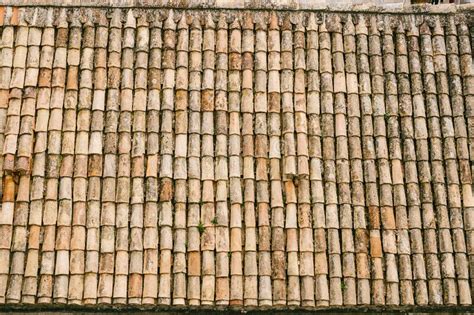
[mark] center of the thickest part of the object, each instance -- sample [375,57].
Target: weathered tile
[260,159]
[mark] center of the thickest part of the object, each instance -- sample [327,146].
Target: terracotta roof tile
[254,159]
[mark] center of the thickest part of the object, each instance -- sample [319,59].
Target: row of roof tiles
[228,163]
[246,19]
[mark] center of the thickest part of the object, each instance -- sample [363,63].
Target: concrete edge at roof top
[396,6]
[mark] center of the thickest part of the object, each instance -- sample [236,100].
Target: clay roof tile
[340,139]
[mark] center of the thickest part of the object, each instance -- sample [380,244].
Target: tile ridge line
[293,5]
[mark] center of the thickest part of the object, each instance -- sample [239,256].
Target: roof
[242,158]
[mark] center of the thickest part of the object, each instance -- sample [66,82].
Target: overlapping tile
[235,158]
